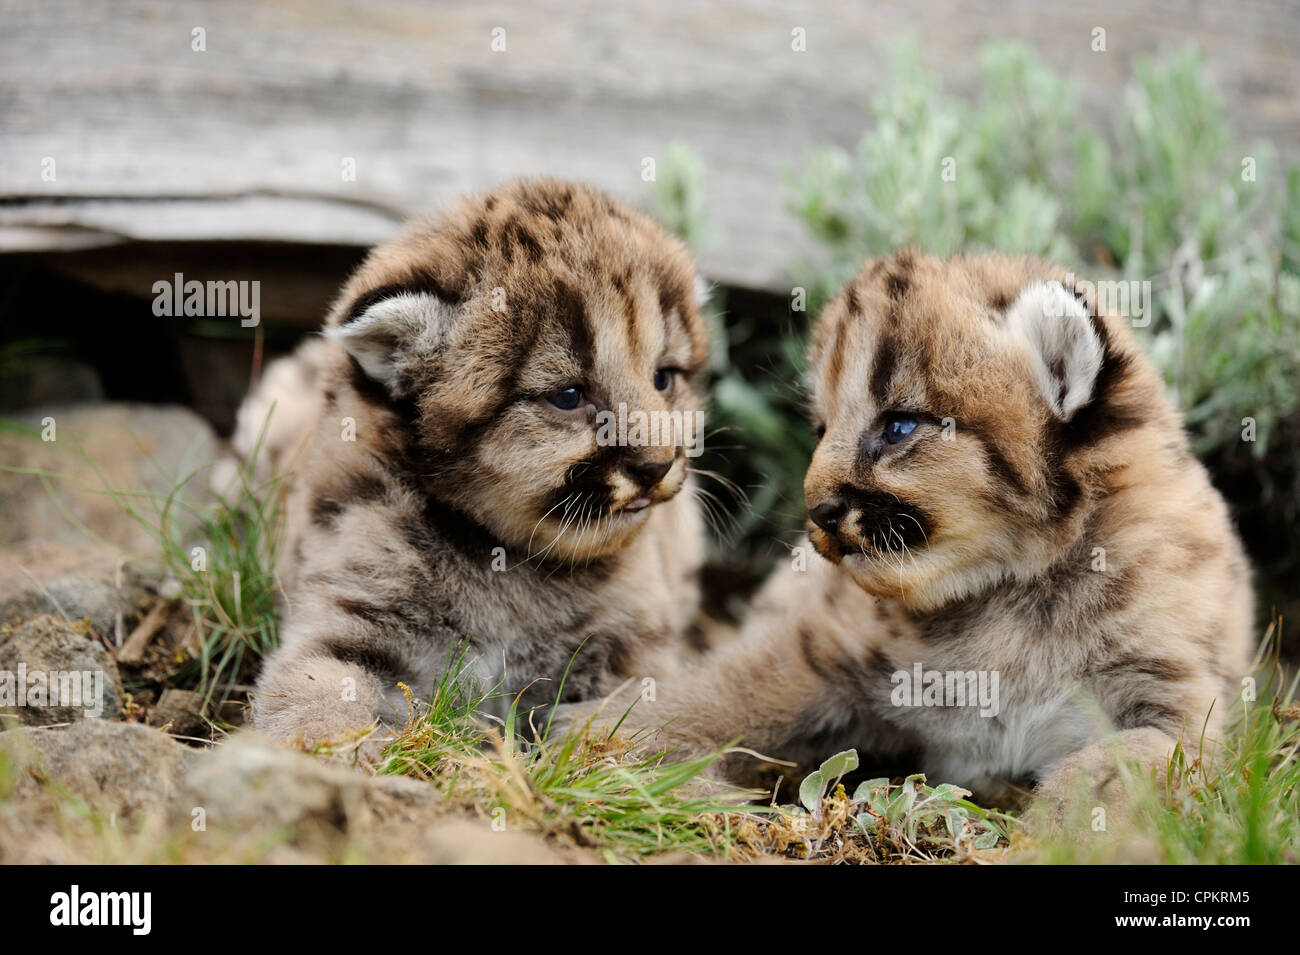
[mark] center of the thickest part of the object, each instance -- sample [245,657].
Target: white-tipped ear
[702,291]
[407,322]
[1064,346]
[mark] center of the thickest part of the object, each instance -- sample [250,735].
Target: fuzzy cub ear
[1064,346]
[387,332]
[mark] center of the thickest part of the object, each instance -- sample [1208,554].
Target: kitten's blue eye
[899,427]
[566,400]
[663,379]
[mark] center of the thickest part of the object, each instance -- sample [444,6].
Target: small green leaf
[948,792]
[810,790]
[866,790]
[839,764]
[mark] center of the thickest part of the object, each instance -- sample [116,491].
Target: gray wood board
[153,141]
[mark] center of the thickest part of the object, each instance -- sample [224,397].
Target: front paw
[364,748]
[1095,789]
[323,706]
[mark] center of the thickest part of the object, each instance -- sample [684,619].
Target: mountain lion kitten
[1021,565]
[452,485]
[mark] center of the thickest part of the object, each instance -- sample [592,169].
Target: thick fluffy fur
[439,496]
[1044,520]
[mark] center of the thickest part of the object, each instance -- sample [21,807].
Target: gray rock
[78,675]
[105,605]
[123,768]
[319,810]
[24,566]
[248,782]
[466,842]
[242,801]
[131,448]
[180,712]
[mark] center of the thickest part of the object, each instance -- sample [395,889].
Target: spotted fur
[468,507]
[1044,520]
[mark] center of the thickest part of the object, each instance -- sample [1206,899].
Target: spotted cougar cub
[1018,563]
[454,485]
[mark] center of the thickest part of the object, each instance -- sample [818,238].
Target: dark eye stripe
[882,372]
[573,314]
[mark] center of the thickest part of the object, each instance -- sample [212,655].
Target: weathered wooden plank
[248,138]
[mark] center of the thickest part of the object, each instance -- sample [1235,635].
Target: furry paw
[1091,789]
